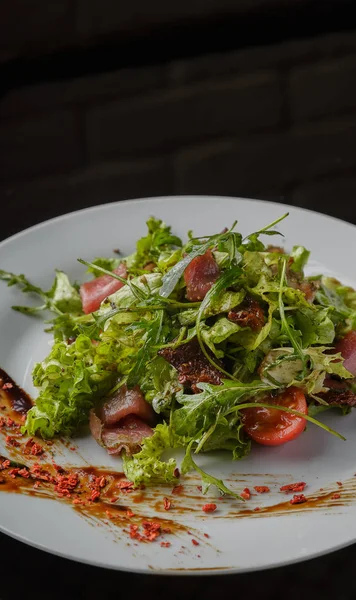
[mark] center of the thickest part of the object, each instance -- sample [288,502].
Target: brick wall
[273,122]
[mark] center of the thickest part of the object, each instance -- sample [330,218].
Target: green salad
[210,343]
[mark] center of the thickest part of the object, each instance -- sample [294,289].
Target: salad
[209,344]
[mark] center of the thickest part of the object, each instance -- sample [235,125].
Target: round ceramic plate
[265,532]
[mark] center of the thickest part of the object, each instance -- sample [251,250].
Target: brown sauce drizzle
[121,508]
[19,401]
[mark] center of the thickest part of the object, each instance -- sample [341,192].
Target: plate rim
[168,198]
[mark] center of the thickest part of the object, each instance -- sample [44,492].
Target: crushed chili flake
[199,488]
[2,422]
[257,509]
[129,513]
[13,472]
[335,496]
[339,483]
[176,473]
[24,473]
[125,485]
[37,485]
[7,386]
[245,494]
[166,504]
[178,489]
[298,499]
[210,507]
[65,484]
[165,544]
[58,468]
[31,447]
[195,543]
[113,500]
[206,535]
[5,464]
[94,495]
[102,482]
[293,487]
[12,441]
[261,489]
[73,448]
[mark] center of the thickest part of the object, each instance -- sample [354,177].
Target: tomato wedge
[272,427]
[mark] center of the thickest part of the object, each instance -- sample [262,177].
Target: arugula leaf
[189,464]
[154,335]
[252,241]
[148,248]
[316,326]
[160,384]
[284,322]
[62,297]
[147,467]
[109,264]
[300,256]
[199,411]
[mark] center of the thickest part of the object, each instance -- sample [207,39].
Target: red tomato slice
[272,427]
[347,347]
[94,292]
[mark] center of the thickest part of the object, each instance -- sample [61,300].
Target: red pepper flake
[152,530]
[134,534]
[125,485]
[10,422]
[166,504]
[256,509]
[293,487]
[210,507]
[31,447]
[130,514]
[178,489]
[199,488]
[195,543]
[113,500]
[176,472]
[24,473]
[37,485]
[165,544]
[11,441]
[13,472]
[206,535]
[339,483]
[335,496]
[298,499]
[5,464]
[102,482]
[261,489]
[58,468]
[73,448]
[94,495]
[2,422]
[65,484]
[7,386]
[245,494]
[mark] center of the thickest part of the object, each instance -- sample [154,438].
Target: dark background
[103,100]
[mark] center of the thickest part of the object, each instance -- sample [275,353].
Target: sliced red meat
[94,292]
[128,435]
[191,364]
[122,424]
[248,314]
[347,347]
[126,402]
[200,275]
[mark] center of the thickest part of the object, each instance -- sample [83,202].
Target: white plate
[236,543]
